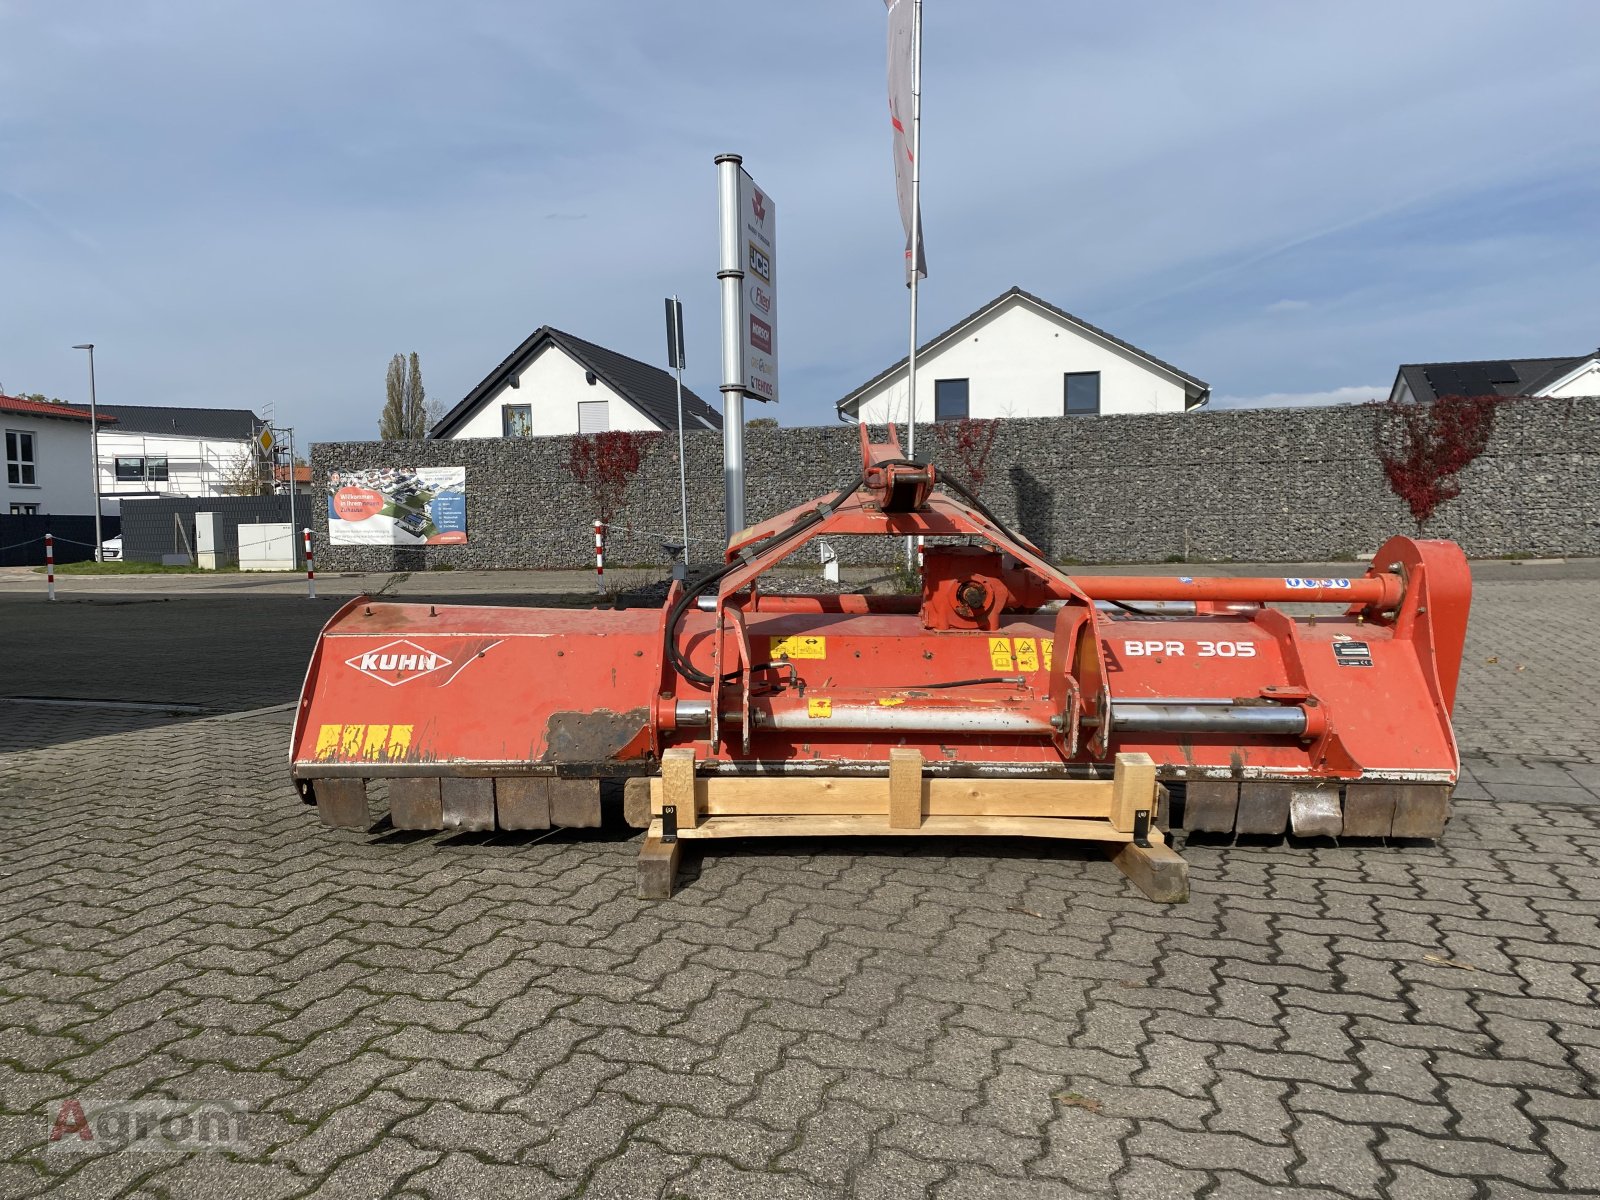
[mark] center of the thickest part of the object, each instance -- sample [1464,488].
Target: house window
[950,400]
[516,420]
[20,467]
[137,470]
[1083,394]
[24,510]
[594,416]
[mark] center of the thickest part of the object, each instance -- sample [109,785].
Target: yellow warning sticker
[369,742]
[399,740]
[372,745]
[1000,654]
[1027,654]
[354,735]
[1048,646]
[819,708]
[328,740]
[890,701]
[798,646]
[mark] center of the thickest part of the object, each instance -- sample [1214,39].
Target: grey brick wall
[1256,485]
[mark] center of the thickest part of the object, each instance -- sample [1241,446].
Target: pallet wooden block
[908,804]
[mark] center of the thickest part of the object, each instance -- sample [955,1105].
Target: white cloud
[1280,306]
[1342,395]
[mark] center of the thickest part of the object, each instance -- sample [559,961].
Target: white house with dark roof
[162,451]
[1020,356]
[554,383]
[47,449]
[1557,377]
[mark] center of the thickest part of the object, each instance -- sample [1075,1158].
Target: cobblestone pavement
[432,1016]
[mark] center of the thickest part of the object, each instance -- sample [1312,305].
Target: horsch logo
[398,662]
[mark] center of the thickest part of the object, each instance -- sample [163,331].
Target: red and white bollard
[600,556]
[311,575]
[50,564]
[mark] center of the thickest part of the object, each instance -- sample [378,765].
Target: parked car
[111,549]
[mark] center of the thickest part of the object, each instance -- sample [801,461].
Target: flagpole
[913,257]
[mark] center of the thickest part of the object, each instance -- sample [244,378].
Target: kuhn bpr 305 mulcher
[1008,698]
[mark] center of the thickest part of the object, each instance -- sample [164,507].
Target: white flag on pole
[902,74]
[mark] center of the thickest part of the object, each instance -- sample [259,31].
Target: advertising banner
[398,506]
[758,318]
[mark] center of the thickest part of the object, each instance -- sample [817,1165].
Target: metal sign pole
[293,523]
[94,451]
[731,276]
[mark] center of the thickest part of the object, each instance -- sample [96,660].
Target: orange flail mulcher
[1009,698]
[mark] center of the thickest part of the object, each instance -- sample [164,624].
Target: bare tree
[248,475]
[406,413]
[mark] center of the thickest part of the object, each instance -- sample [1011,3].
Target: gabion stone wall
[1244,485]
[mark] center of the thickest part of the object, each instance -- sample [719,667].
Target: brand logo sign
[758,204]
[760,297]
[759,262]
[760,335]
[398,662]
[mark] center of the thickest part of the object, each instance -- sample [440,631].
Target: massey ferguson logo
[758,204]
[398,662]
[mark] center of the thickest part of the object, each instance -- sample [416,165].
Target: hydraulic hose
[675,656]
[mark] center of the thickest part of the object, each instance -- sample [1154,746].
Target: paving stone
[1152,1179]
[1212,1151]
[829,1146]
[1083,1148]
[1458,1156]
[1338,1156]
[714,1179]
[974,1183]
[493,1137]
[1251,1106]
[642,1169]
[460,1174]
[960,1143]
[895,1175]
[213,1175]
[746,1144]
[1414,1183]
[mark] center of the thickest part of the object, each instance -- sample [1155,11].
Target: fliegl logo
[398,662]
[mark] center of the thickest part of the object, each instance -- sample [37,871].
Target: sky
[256,204]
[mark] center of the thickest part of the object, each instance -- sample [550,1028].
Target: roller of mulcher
[1008,698]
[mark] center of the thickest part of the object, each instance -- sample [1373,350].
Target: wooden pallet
[686,806]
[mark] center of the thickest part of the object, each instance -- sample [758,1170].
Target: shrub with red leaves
[605,462]
[969,442]
[1425,447]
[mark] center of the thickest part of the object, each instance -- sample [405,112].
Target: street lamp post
[94,450]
